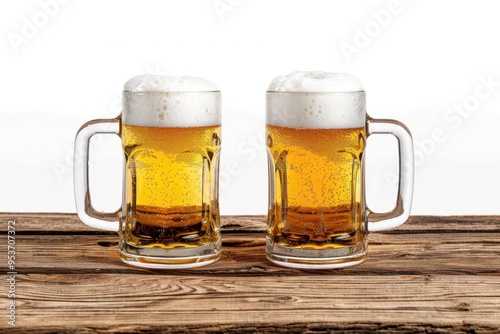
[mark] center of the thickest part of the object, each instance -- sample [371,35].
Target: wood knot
[464,307]
[284,298]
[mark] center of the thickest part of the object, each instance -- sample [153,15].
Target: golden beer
[317,187]
[170,199]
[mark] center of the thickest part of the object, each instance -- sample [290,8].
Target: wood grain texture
[459,253]
[433,275]
[176,300]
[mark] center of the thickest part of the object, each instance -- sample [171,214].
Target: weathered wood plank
[389,254]
[70,223]
[434,274]
[235,303]
[287,328]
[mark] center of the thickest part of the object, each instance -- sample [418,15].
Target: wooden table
[434,274]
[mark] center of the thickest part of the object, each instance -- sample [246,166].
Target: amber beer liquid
[170,175]
[317,187]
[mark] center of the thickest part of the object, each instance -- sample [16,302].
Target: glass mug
[170,133]
[317,129]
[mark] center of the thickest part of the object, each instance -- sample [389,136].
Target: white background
[63,64]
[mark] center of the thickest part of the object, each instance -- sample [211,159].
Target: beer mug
[170,133]
[317,129]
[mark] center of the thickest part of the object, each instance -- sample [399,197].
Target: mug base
[169,263]
[315,263]
[317,259]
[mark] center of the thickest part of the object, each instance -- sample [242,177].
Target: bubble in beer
[166,101]
[316,100]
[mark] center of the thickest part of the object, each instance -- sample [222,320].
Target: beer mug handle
[103,220]
[399,215]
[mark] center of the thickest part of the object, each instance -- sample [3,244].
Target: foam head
[165,101]
[316,100]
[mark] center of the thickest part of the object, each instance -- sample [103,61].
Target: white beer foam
[316,100]
[165,101]
[165,83]
[316,82]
